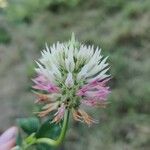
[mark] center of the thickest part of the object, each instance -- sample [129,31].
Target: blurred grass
[120,28]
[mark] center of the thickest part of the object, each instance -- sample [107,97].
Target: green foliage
[136,8]
[45,129]
[24,10]
[113,6]
[30,70]
[49,130]
[29,125]
[19,139]
[71,3]
[4,36]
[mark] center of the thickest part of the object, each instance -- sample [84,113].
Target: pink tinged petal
[93,103]
[60,111]
[48,108]
[95,85]
[94,93]
[53,88]
[82,116]
[99,95]
[81,92]
[59,114]
[88,102]
[40,78]
[101,92]
[42,83]
[98,83]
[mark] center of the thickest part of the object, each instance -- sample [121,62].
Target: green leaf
[43,147]
[19,139]
[49,130]
[29,125]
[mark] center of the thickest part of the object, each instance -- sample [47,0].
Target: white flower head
[72,71]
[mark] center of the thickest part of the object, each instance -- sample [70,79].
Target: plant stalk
[61,137]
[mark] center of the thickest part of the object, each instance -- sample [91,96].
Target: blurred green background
[120,27]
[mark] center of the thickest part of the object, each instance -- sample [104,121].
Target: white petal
[97,68]
[69,80]
[100,76]
[56,71]
[47,48]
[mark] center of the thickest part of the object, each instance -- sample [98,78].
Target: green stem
[61,137]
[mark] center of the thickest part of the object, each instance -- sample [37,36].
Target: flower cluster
[70,75]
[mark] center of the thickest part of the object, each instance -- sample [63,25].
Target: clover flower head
[70,75]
